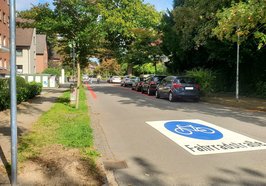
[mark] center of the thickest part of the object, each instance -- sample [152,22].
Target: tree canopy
[244,19]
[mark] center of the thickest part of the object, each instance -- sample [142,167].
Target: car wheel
[157,94]
[171,97]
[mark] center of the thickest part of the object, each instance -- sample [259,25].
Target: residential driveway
[27,114]
[140,154]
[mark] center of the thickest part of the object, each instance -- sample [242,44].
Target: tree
[187,34]
[126,23]
[78,25]
[242,19]
[108,67]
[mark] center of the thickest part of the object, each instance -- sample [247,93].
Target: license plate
[189,88]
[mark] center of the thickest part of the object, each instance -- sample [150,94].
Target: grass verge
[62,124]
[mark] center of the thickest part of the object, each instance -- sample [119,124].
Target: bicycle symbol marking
[193,130]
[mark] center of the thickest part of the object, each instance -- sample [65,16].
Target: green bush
[205,78]
[261,88]
[4,94]
[34,89]
[52,71]
[25,91]
[22,89]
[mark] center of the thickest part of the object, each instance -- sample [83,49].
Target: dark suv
[177,87]
[150,84]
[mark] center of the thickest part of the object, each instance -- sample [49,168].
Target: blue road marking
[193,130]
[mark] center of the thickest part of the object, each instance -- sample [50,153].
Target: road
[139,154]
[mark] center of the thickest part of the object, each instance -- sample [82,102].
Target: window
[4,41]
[4,17]
[0,15]
[1,63]
[20,69]
[5,64]
[19,52]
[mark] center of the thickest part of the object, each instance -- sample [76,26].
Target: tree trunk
[129,69]
[78,84]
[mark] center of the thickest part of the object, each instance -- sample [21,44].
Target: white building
[26,50]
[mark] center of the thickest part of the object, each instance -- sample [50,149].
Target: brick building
[4,37]
[41,53]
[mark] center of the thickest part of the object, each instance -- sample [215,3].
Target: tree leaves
[244,19]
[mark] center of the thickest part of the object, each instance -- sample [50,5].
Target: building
[4,37]
[41,54]
[26,50]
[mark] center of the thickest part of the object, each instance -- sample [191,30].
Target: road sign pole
[13,95]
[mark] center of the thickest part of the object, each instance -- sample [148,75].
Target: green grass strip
[62,124]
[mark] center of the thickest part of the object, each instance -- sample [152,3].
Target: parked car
[123,79]
[139,84]
[127,81]
[135,82]
[115,79]
[178,87]
[150,84]
[85,78]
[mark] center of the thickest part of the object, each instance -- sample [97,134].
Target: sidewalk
[27,114]
[250,104]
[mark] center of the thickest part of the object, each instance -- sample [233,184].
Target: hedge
[205,78]
[25,91]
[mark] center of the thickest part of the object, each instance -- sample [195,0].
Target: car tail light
[197,86]
[176,85]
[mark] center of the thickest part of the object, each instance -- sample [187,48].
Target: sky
[160,5]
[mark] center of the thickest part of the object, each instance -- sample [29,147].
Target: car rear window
[158,78]
[186,80]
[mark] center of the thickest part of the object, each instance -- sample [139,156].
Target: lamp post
[13,95]
[237,67]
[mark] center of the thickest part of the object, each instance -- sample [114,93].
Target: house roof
[24,36]
[40,44]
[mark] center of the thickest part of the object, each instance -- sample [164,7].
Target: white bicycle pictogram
[189,129]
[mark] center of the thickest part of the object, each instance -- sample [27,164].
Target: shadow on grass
[64,101]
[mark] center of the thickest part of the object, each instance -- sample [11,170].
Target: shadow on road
[142,100]
[148,171]
[241,176]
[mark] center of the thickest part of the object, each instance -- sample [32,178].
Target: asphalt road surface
[139,154]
